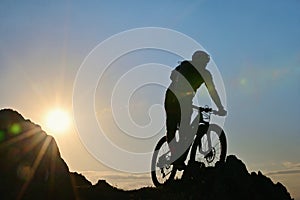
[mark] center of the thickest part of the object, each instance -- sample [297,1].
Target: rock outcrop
[30,166]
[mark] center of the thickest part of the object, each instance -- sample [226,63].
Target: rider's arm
[212,89]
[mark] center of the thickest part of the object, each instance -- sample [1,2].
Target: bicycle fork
[208,149]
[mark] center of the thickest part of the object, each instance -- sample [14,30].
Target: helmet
[199,54]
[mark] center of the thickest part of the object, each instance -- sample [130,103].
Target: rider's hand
[221,112]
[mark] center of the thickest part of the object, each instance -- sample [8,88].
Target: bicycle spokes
[164,160]
[162,168]
[210,156]
[209,149]
[165,171]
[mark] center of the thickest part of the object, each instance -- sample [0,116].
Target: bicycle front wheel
[210,147]
[161,168]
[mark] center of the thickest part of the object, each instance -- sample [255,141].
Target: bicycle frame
[200,123]
[199,127]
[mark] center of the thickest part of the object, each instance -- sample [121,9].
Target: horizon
[254,45]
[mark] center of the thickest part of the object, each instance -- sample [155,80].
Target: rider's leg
[186,135]
[172,108]
[171,126]
[178,111]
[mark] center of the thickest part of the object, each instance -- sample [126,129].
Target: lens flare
[58,121]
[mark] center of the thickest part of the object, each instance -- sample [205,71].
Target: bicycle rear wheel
[211,147]
[161,168]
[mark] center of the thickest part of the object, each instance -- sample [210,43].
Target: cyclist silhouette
[186,79]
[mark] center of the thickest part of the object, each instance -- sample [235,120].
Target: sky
[255,45]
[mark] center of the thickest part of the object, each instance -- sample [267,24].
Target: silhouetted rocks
[79,180]
[231,180]
[31,168]
[30,164]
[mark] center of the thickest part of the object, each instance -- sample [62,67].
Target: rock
[79,181]
[231,180]
[30,165]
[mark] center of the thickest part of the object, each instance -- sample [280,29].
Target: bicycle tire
[156,175]
[214,154]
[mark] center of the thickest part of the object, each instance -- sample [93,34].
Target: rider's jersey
[186,79]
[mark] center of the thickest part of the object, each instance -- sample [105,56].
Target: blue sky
[255,45]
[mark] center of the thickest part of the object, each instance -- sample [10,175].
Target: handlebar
[209,110]
[203,109]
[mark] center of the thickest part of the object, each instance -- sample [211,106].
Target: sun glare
[58,121]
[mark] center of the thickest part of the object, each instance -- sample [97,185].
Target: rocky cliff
[30,166]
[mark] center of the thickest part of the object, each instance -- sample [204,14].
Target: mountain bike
[208,147]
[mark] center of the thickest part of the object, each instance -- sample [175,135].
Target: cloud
[290,168]
[291,165]
[284,172]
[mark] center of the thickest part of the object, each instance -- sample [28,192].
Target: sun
[58,121]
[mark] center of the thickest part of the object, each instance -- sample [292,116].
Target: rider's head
[201,57]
